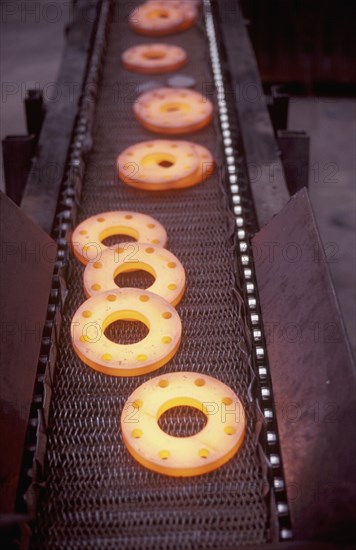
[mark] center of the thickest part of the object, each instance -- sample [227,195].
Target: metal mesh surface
[96,495]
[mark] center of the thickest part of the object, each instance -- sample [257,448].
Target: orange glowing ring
[206,164]
[157,164]
[156,19]
[190,17]
[198,454]
[187,7]
[98,352]
[154,58]
[205,167]
[167,270]
[173,111]
[87,238]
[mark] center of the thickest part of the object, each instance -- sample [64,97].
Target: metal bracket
[294,148]
[278,105]
[17,154]
[35,112]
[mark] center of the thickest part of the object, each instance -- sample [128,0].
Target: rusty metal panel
[27,257]
[312,371]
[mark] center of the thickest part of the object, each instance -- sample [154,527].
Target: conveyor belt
[96,495]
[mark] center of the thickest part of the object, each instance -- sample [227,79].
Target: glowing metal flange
[87,238]
[188,8]
[189,456]
[164,164]
[167,270]
[157,162]
[156,19]
[154,58]
[173,110]
[130,304]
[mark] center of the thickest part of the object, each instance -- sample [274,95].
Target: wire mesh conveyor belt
[96,495]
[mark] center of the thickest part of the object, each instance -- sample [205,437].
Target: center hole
[164,159]
[126,332]
[154,55]
[135,279]
[153,14]
[118,239]
[182,421]
[179,107]
[165,163]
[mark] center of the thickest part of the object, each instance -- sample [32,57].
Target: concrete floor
[31,45]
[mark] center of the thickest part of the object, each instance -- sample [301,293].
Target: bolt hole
[167,315]
[229,430]
[165,163]
[227,400]
[96,287]
[204,453]
[164,455]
